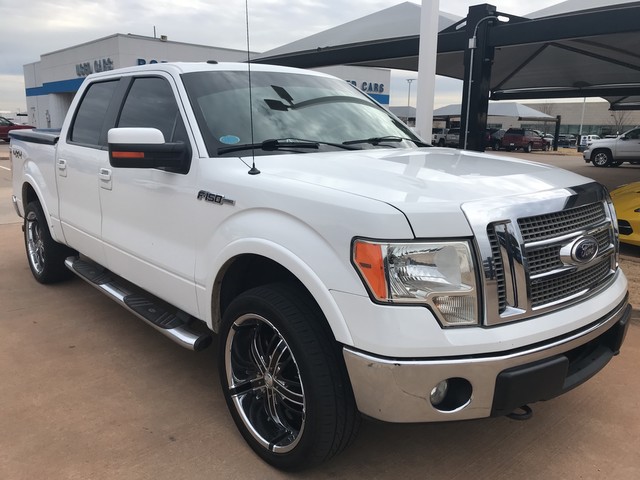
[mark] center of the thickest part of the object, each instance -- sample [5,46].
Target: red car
[527,140]
[6,125]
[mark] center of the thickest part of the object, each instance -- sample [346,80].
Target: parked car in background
[612,152]
[496,139]
[438,136]
[626,200]
[6,125]
[566,140]
[527,140]
[452,138]
[586,140]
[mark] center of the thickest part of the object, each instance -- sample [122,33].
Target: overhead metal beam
[598,91]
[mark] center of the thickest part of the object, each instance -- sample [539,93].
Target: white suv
[612,152]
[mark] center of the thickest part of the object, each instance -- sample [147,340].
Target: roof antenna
[253,170]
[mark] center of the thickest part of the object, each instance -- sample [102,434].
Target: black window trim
[109,119]
[119,106]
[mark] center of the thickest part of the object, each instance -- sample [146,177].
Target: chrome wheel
[264,383]
[35,243]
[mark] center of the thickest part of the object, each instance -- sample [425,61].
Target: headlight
[440,274]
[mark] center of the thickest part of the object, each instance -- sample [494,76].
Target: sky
[34,27]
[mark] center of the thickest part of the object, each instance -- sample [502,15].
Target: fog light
[439,392]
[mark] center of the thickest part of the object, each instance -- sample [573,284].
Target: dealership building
[52,82]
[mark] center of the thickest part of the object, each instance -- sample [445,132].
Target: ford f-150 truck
[344,267]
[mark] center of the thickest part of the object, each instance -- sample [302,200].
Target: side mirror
[146,148]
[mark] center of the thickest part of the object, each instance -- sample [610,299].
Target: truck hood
[428,185]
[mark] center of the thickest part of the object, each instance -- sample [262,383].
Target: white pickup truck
[342,267]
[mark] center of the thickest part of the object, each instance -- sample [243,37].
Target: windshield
[289,107]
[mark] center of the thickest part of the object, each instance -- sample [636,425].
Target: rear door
[81,158]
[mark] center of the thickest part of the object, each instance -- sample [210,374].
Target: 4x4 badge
[214,198]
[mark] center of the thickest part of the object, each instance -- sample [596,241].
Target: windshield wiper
[270,145]
[389,138]
[282,143]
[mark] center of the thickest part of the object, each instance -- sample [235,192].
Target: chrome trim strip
[14,200]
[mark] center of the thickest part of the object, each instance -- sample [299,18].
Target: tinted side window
[634,134]
[87,126]
[151,103]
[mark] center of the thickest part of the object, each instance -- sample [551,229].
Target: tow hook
[521,413]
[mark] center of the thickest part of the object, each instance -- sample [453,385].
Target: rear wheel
[496,145]
[46,256]
[601,158]
[284,378]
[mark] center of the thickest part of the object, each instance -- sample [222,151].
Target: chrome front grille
[541,227]
[547,258]
[556,289]
[531,263]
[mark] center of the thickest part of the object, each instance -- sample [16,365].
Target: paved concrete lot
[87,391]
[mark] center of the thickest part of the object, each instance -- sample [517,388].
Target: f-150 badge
[214,198]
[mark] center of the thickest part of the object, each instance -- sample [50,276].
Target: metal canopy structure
[501,109]
[383,39]
[579,48]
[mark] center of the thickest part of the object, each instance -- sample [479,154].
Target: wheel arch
[31,192]
[244,271]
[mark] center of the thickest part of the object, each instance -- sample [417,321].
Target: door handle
[105,174]
[62,167]
[105,178]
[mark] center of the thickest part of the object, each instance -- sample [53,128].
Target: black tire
[441,142]
[45,256]
[274,337]
[496,146]
[546,147]
[528,148]
[601,158]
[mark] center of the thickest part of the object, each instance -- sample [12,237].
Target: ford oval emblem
[584,249]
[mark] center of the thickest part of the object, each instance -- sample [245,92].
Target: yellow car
[626,200]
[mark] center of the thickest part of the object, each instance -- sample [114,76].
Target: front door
[147,226]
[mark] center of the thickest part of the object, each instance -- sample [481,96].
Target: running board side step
[174,325]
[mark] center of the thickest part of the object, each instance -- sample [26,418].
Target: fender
[286,258]
[320,264]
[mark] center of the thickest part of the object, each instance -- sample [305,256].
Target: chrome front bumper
[398,390]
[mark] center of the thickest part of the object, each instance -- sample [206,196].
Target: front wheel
[46,256]
[284,378]
[601,158]
[528,148]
